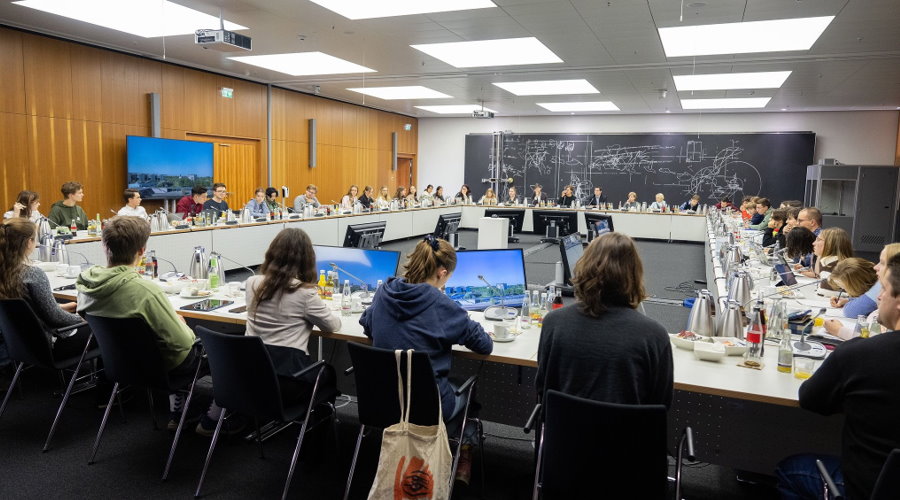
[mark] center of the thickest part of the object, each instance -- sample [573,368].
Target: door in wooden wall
[405,173]
[236,164]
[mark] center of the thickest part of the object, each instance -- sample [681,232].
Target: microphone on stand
[365,286]
[252,272]
[83,256]
[174,274]
[804,348]
[501,312]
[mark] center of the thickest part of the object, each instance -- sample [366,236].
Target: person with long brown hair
[601,348]
[26,205]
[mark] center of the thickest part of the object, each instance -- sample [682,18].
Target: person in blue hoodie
[414,313]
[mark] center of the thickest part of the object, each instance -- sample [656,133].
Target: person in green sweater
[764,208]
[65,211]
[117,291]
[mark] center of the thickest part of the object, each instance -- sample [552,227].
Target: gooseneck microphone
[252,272]
[501,312]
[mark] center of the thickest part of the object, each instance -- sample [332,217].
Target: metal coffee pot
[199,261]
[246,216]
[741,288]
[732,324]
[702,318]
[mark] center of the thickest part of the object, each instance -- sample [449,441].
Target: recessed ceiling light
[455,109]
[549,87]
[303,63]
[728,103]
[503,52]
[145,18]
[367,9]
[409,92]
[579,106]
[742,38]
[726,81]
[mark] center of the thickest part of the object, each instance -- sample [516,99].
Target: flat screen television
[368,235]
[571,250]
[357,265]
[446,225]
[167,168]
[565,220]
[498,267]
[600,223]
[516,217]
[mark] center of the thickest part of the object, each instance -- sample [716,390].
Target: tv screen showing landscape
[167,168]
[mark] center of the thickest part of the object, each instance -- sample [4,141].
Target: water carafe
[197,268]
[732,324]
[702,317]
[741,288]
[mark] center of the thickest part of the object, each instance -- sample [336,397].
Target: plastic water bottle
[346,299]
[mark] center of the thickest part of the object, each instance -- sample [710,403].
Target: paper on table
[817,304]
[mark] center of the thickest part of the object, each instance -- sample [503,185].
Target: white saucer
[504,340]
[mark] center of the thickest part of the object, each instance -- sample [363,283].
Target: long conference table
[742,418]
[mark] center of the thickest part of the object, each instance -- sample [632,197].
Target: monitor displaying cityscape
[500,268]
[357,265]
[167,168]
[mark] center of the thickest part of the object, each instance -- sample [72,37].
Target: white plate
[685,344]
[738,349]
[709,351]
[198,296]
[504,340]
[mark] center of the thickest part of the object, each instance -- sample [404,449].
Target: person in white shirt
[133,206]
[350,198]
[26,205]
[659,205]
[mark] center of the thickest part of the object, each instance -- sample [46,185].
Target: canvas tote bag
[415,459]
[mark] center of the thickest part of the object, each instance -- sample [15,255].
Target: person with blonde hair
[831,246]
[489,198]
[384,198]
[349,199]
[659,205]
[601,347]
[865,302]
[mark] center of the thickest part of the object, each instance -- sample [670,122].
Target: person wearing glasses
[217,202]
[307,198]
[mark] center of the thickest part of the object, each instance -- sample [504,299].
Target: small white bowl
[738,347]
[685,344]
[709,351]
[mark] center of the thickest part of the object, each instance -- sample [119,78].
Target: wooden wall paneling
[12,100]
[172,108]
[224,110]
[350,130]
[200,106]
[48,77]
[292,165]
[126,81]
[14,162]
[249,109]
[328,125]
[87,83]
[236,166]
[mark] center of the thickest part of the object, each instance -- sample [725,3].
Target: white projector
[480,113]
[224,40]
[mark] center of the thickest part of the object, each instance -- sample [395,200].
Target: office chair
[887,486]
[28,345]
[256,392]
[586,445]
[375,372]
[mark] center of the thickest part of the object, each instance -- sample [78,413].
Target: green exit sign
[407,126]
[227,92]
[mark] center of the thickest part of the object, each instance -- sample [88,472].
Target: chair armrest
[532,419]
[349,370]
[467,385]
[829,482]
[65,329]
[688,438]
[317,364]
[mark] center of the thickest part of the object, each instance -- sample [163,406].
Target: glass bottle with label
[557,301]
[321,284]
[785,352]
[754,338]
[346,302]
[542,312]
[329,287]
[862,327]
[213,273]
[535,306]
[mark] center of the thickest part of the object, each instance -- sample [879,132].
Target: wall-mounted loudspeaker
[312,143]
[393,150]
[154,114]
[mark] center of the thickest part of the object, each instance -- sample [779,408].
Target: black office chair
[27,344]
[887,486]
[375,372]
[254,390]
[131,357]
[585,444]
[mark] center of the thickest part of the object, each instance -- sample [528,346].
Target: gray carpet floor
[132,454]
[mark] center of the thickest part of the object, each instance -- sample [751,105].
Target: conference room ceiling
[614,44]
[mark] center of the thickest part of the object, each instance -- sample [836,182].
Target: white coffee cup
[234,289]
[336,299]
[62,269]
[73,271]
[501,332]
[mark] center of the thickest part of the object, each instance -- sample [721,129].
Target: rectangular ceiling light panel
[727,103]
[573,107]
[743,38]
[455,109]
[503,52]
[368,9]
[549,87]
[144,18]
[731,81]
[303,64]
[408,92]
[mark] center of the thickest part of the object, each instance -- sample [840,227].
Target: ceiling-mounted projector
[480,113]
[224,40]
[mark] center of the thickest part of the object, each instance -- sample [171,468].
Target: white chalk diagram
[712,172]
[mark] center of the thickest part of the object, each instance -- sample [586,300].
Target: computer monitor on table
[498,267]
[358,265]
[598,224]
[447,224]
[571,250]
[368,235]
[565,222]
[516,219]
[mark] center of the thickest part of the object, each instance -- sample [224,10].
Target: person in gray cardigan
[601,348]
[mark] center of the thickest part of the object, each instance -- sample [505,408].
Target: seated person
[428,195]
[773,233]
[631,204]
[748,208]
[117,291]
[20,280]
[791,219]
[283,306]
[724,203]
[412,196]
[659,205]
[366,200]
[858,379]
[567,197]
[862,301]
[349,199]
[763,212]
[489,198]
[439,195]
[799,245]
[596,199]
[810,218]
[307,198]
[512,196]
[26,206]
[413,312]
[257,205]
[830,247]
[539,197]
[192,204]
[384,198]
[133,206]
[464,195]
[217,203]
[601,347]
[691,205]
[400,196]
[271,201]
[67,211]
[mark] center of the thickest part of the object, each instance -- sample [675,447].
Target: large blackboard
[713,165]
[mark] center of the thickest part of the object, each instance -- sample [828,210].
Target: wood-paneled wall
[66,108]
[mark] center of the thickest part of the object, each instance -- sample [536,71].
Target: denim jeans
[799,478]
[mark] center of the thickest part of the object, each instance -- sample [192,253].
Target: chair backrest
[244,378]
[375,371]
[130,351]
[588,444]
[25,338]
[887,487]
